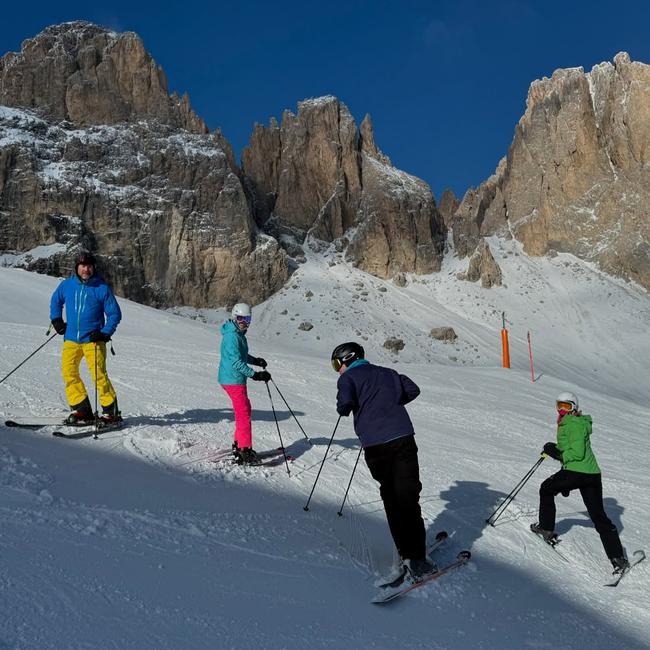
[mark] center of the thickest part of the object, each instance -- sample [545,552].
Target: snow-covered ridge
[122,145]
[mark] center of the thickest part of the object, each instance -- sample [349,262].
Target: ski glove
[550,449]
[98,337]
[262,376]
[59,325]
[260,362]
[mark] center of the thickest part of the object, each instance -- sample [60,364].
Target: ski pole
[354,469]
[284,453]
[306,506]
[290,411]
[515,491]
[95,436]
[31,355]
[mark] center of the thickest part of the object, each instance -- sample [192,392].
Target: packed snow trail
[145,538]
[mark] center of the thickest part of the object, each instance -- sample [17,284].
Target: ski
[637,557]
[88,430]
[389,595]
[268,458]
[34,422]
[440,539]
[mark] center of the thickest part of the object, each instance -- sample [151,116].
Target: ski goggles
[243,319]
[336,364]
[564,406]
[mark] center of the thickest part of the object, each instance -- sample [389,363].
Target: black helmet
[345,354]
[84,258]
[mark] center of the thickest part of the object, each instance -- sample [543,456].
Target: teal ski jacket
[233,368]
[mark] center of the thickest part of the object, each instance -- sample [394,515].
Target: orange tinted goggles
[336,364]
[564,406]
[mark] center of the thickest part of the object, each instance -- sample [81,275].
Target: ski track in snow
[151,538]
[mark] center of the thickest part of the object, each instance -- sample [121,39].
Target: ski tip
[464,555]
[443,534]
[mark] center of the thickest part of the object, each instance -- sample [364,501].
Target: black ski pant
[591,491]
[395,465]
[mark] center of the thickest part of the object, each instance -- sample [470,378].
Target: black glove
[260,362]
[262,376]
[59,325]
[99,337]
[550,449]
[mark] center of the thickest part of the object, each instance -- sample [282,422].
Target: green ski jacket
[573,434]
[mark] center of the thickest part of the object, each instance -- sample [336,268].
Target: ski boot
[549,536]
[620,565]
[110,414]
[419,568]
[82,413]
[248,456]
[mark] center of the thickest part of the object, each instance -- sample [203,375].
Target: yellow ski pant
[71,359]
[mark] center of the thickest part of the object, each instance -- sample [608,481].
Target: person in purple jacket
[376,396]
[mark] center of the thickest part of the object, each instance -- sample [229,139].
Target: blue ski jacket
[89,306]
[234,356]
[376,396]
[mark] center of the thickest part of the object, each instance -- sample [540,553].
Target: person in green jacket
[580,471]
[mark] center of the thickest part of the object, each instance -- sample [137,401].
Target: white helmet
[568,397]
[241,309]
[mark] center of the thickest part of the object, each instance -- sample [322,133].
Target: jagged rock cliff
[106,159]
[89,75]
[577,175]
[317,177]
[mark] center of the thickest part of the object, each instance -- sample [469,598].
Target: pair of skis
[266,458]
[84,429]
[403,583]
[637,557]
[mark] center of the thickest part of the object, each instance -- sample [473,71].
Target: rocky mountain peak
[367,140]
[577,175]
[89,75]
[318,177]
[96,154]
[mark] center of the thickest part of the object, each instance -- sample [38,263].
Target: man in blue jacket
[376,396]
[92,315]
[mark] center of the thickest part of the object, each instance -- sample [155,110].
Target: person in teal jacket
[580,471]
[233,373]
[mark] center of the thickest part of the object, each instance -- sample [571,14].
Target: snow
[38,253]
[400,184]
[140,540]
[314,102]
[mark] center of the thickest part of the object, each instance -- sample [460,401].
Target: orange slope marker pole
[505,347]
[530,354]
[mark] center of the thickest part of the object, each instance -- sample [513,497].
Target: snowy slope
[144,539]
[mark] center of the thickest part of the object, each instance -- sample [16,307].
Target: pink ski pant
[242,406]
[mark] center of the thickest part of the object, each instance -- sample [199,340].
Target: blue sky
[445,82]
